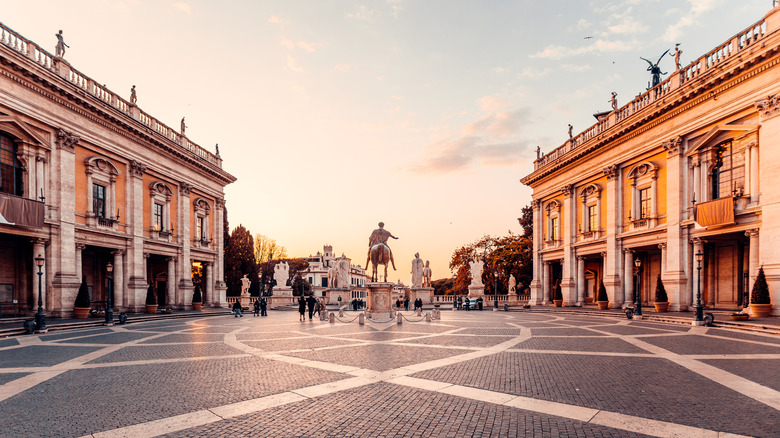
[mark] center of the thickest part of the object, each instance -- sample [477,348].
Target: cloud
[698,8]
[292,64]
[287,44]
[395,6]
[491,140]
[531,73]
[599,46]
[342,68]
[305,45]
[184,7]
[362,14]
[277,20]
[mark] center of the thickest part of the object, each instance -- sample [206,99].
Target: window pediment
[590,190]
[15,127]
[645,169]
[160,188]
[719,134]
[101,164]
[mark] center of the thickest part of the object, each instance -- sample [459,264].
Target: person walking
[310,301]
[301,308]
[317,307]
[237,309]
[263,307]
[398,304]
[406,303]
[257,307]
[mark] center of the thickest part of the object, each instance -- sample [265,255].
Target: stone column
[219,280]
[62,198]
[752,259]
[212,300]
[568,286]
[185,269]
[611,274]
[673,251]
[545,282]
[628,276]
[697,189]
[536,284]
[580,280]
[79,269]
[171,283]
[754,172]
[39,249]
[748,167]
[137,283]
[662,247]
[120,300]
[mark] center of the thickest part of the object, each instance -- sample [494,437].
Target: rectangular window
[199,228]
[644,203]
[324,282]
[592,224]
[554,230]
[158,217]
[99,200]
[10,168]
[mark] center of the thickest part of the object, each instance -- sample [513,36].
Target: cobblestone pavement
[471,374]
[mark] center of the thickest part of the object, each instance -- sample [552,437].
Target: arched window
[553,221]
[11,177]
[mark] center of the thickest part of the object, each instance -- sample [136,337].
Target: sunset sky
[335,115]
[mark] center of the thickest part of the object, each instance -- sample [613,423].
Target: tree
[267,249]
[300,286]
[444,286]
[527,221]
[760,292]
[240,261]
[508,255]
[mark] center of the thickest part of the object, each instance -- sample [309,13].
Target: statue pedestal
[477,291]
[378,305]
[334,294]
[283,291]
[423,293]
[245,300]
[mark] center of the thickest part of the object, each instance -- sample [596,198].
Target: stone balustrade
[714,59]
[46,60]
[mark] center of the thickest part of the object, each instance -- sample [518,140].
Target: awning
[715,213]
[20,211]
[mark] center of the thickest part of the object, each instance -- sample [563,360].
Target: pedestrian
[418,303]
[406,303]
[263,307]
[310,301]
[237,309]
[460,303]
[317,307]
[398,303]
[257,307]
[301,308]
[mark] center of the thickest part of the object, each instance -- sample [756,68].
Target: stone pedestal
[379,295]
[334,294]
[245,300]
[477,292]
[423,293]
[283,291]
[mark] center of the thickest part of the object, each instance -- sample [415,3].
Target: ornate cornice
[611,171]
[185,188]
[137,168]
[769,107]
[673,146]
[66,140]
[567,190]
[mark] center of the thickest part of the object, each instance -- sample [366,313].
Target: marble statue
[476,272]
[133,96]
[245,283]
[216,146]
[538,152]
[59,50]
[427,274]
[655,70]
[281,273]
[333,275]
[379,253]
[613,101]
[417,270]
[183,126]
[512,284]
[677,53]
[343,272]
[571,132]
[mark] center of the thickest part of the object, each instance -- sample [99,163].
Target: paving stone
[299,344]
[580,344]
[186,338]
[462,341]
[696,344]
[110,338]
[771,339]
[378,357]
[8,342]
[9,377]
[155,352]
[567,331]
[67,334]
[630,330]
[41,355]
[761,371]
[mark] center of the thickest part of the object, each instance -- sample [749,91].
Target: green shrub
[602,292]
[151,296]
[197,297]
[82,298]
[660,291]
[760,292]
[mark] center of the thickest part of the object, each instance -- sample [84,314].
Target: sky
[337,114]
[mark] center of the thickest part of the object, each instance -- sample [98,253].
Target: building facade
[88,180]
[685,168]
[317,275]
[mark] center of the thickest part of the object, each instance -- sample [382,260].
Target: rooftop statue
[183,126]
[59,50]
[133,96]
[655,70]
[379,253]
[613,101]
[677,52]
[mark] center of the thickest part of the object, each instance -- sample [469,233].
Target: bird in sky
[588,37]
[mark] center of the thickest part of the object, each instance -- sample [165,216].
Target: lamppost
[637,294]
[40,317]
[109,302]
[495,291]
[699,314]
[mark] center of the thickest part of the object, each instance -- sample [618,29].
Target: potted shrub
[151,300]
[760,304]
[602,300]
[558,297]
[197,299]
[82,306]
[661,300]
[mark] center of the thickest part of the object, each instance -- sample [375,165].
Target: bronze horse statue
[379,254]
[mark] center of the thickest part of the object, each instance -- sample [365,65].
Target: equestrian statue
[378,251]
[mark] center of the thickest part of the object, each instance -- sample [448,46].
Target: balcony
[18,211]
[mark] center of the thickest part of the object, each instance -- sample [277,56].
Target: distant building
[87,179]
[686,167]
[317,275]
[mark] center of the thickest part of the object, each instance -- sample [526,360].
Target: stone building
[685,168]
[89,179]
[317,275]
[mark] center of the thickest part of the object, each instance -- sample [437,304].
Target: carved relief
[137,168]
[185,188]
[67,140]
[769,107]
[611,171]
[673,146]
[567,190]
[220,203]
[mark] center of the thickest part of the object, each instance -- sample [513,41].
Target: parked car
[471,304]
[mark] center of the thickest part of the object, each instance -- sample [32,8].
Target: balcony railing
[46,60]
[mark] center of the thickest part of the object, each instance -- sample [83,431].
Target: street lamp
[495,291]
[637,294]
[699,257]
[40,317]
[109,303]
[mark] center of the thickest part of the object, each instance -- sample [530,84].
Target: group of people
[260,304]
[314,305]
[418,303]
[461,304]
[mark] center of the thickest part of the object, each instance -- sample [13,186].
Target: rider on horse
[380,235]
